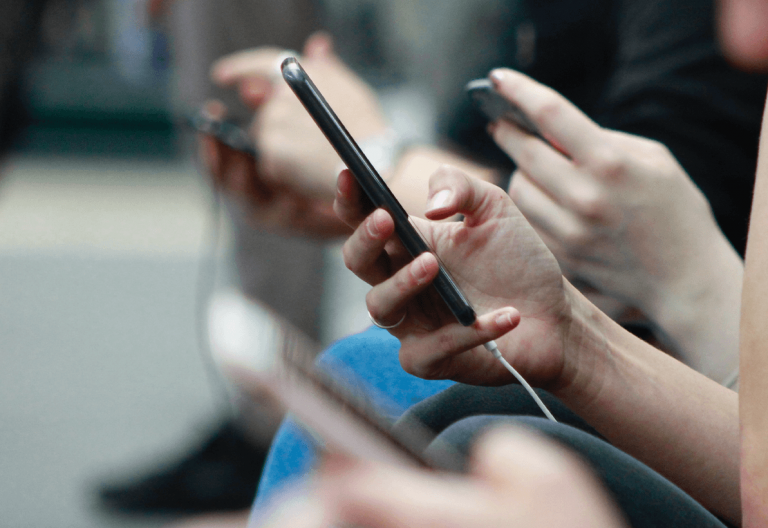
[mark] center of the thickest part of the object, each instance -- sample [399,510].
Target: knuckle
[592,206]
[547,112]
[527,156]
[574,237]
[608,164]
[350,260]
[446,172]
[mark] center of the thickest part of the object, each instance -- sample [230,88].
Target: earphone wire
[491,347]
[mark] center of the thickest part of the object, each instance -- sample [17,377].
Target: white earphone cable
[491,347]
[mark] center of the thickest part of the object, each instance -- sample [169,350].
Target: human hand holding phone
[621,214]
[513,480]
[293,151]
[267,206]
[494,255]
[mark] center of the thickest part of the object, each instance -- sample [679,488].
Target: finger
[567,127]
[551,171]
[387,301]
[319,45]
[380,496]
[260,62]
[254,91]
[512,458]
[215,109]
[452,191]
[364,252]
[545,214]
[434,355]
[350,204]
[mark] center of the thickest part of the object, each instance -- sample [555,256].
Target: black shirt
[647,67]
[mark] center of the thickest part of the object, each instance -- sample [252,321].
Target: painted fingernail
[439,200]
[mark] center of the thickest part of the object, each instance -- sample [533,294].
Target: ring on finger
[387,327]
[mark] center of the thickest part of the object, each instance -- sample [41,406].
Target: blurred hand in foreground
[515,480]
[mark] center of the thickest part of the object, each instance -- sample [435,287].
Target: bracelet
[383,151]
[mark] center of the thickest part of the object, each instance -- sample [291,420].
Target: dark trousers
[458,415]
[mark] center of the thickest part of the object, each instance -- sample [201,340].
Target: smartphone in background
[495,106]
[373,185]
[344,421]
[228,132]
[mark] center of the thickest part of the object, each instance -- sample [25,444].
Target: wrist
[384,150]
[587,350]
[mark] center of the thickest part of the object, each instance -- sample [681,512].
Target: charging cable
[491,347]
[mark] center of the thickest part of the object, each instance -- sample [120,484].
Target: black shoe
[221,475]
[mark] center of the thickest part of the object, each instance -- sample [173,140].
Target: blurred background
[109,235]
[102,235]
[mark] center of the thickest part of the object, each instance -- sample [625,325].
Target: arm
[754,359]
[660,411]
[620,214]
[294,151]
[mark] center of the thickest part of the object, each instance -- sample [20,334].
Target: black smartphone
[228,132]
[373,185]
[496,107]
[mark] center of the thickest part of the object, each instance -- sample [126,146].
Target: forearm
[754,354]
[410,179]
[650,405]
[701,316]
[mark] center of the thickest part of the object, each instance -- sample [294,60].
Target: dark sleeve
[671,83]
[647,67]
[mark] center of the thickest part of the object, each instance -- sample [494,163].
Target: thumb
[514,458]
[452,191]
[319,46]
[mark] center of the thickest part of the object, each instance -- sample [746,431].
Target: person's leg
[646,498]
[368,364]
[461,401]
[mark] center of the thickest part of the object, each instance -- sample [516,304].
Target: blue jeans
[368,364]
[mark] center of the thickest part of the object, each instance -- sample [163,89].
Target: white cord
[491,347]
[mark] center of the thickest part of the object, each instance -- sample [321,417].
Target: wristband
[383,151]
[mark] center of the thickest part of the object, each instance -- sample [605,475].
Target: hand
[618,212]
[516,479]
[292,149]
[270,207]
[496,259]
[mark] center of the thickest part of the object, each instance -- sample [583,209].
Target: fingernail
[421,271]
[504,319]
[496,76]
[373,228]
[439,200]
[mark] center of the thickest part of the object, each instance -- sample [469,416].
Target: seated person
[649,405]
[652,79]
[683,332]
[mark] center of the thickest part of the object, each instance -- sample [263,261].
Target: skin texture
[621,215]
[271,206]
[744,33]
[512,482]
[295,156]
[603,207]
[754,359]
[616,382]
